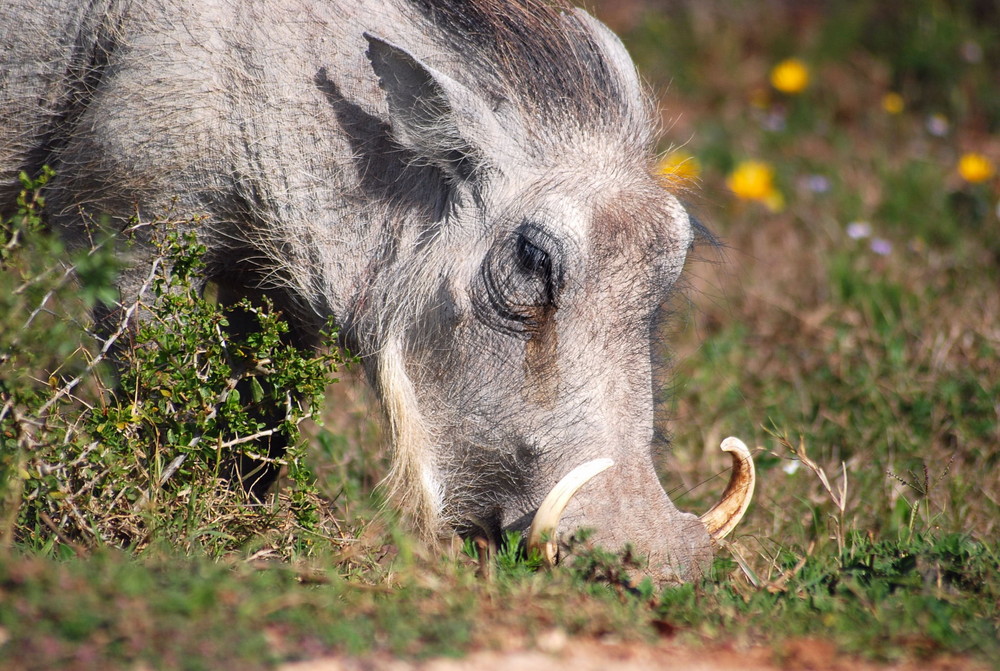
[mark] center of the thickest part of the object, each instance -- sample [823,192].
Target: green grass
[193,612]
[866,373]
[879,599]
[881,361]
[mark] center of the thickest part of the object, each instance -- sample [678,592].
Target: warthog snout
[718,522]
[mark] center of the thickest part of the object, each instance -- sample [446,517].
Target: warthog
[465,186]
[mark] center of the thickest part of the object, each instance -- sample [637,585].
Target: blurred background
[845,155]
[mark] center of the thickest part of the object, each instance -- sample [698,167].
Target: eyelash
[519,281]
[533,259]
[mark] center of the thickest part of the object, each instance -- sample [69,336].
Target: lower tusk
[542,534]
[727,513]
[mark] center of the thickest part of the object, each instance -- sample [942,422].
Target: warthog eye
[533,260]
[519,282]
[533,284]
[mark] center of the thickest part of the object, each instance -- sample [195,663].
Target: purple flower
[815,183]
[972,52]
[774,121]
[937,125]
[881,246]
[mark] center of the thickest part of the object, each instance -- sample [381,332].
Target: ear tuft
[618,58]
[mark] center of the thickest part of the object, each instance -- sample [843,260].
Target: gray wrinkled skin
[465,186]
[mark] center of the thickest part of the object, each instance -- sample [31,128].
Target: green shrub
[89,457]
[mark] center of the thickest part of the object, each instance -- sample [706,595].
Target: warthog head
[513,334]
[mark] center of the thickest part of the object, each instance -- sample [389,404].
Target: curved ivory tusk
[541,536]
[727,513]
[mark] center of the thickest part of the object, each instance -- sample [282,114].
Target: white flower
[858,230]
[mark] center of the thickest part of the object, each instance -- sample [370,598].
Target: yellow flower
[678,168]
[975,167]
[893,103]
[754,180]
[790,76]
[751,180]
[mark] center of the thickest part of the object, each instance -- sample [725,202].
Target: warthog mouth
[719,521]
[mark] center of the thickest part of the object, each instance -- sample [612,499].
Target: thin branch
[108,344]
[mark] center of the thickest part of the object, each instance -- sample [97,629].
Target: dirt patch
[576,655]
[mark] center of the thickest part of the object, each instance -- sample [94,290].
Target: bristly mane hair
[539,55]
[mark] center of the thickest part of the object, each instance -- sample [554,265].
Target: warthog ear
[622,67]
[431,114]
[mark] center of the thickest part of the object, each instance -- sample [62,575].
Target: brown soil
[556,653]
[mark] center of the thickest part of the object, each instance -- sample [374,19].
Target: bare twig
[838,495]
[108,344]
